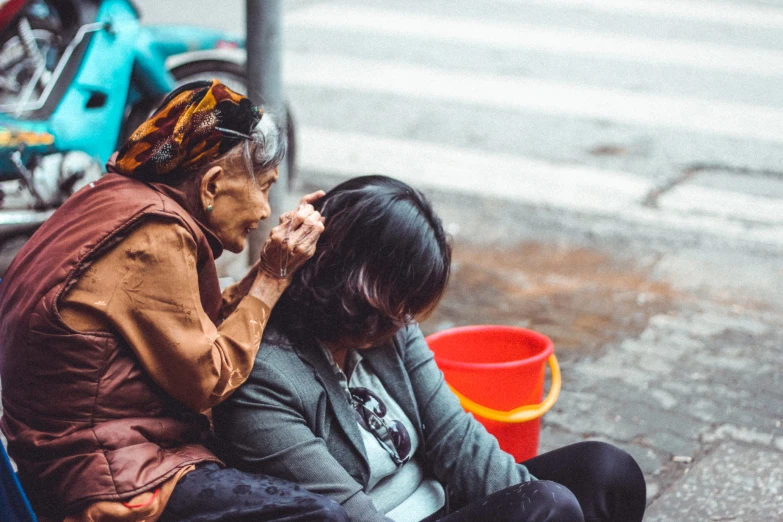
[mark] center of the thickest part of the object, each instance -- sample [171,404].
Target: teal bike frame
[120,62]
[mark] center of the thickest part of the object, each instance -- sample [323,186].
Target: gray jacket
[291,419]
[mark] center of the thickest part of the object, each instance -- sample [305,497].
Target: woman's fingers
[312,197]
[291,222]
[309,241]
[302,241]
[292,242]
[304,209]
[310,231]
[302,213]
[298,216]
[312,226]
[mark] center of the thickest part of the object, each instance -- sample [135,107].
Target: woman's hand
[293,241]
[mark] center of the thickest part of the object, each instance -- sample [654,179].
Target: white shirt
[402,493]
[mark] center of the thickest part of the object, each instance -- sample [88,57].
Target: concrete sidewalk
[671,352]
[670,344]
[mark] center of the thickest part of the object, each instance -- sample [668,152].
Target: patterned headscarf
[195,124]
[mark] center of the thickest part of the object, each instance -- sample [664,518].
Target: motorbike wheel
[235,77]
[17,70]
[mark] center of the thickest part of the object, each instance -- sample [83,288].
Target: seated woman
[346,400]
[115,336]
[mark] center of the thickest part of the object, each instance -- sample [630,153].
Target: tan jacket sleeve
[146,289]
[234,294]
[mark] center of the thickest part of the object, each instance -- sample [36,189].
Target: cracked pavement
[670,347]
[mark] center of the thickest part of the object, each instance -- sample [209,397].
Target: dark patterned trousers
[214,494]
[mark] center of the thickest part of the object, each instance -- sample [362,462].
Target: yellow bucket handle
[523,413]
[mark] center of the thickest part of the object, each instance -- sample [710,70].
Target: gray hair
[269,145]
[264,151]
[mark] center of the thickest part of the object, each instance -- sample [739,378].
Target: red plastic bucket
[498,373]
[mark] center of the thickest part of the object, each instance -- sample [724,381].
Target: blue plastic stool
[14,506]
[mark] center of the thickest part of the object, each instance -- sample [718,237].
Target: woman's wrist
[268,288]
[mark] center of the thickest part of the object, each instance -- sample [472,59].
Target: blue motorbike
[76,77]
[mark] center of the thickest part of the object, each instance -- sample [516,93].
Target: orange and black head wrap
[195,124]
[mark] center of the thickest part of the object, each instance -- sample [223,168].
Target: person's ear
[210,187]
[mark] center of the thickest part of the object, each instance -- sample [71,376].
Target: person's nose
[265,211]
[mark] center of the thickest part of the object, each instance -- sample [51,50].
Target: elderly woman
[114,336]
[346,400]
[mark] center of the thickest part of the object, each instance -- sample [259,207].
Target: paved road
[611,173]
[662,114]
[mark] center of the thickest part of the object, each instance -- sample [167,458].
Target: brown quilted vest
[83,420]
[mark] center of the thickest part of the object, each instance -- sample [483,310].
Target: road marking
[581,188]
[528,95]
[597,192]
[701,11]
[711,56]
[694,199]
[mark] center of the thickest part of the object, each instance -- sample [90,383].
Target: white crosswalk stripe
[533,95]
[751,15]
[583,189]
[510,36]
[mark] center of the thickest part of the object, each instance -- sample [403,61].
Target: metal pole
[265,87]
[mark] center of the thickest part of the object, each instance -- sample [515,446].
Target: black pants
[587,481]
[211,494]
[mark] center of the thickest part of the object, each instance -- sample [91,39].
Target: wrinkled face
[239,204]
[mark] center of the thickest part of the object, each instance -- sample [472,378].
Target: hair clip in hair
[233,133]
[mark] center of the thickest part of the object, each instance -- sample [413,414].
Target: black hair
[382,260]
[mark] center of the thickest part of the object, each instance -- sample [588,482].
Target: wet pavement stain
[582,299]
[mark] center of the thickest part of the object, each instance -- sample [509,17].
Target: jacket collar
[385,360]
[312,354]
[387,363]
